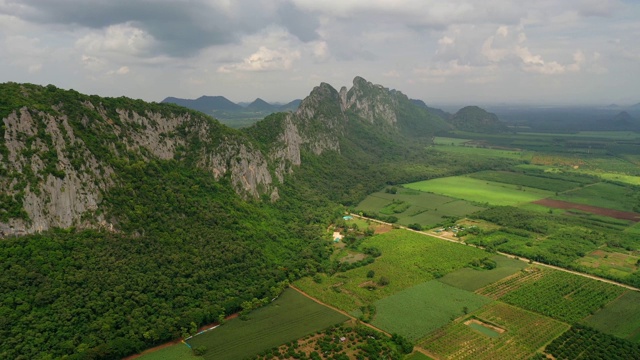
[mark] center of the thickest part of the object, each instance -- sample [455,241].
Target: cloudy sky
[443,52]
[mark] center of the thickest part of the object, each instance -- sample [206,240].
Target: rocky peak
[374,103]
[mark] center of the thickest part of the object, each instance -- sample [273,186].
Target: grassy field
[412,206]
[628,179]
[418,310]
[471,280]
[407,259]
[418,356]
[523,334]
[604,195]
[481,191]
[620,317]
[174,352]
[288,318]
[557,294]
[614,263]
[635,229]
[439,140]
[479,151]
[538,182]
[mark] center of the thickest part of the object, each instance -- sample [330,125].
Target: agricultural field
[417,355]
[554,293]
[620,317]
[583,343]
[635,229]
[611,262]
[471,279]
[439,140]
[496,331]
[288,318]
[482,151]
[611,164]
[347,341]
[617,177]
[174,352]
[538,181]
[412,206]
[480,191]
[418,310]
[603,195]
[408,259]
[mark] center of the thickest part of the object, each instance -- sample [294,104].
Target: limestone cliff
[56,163]
[61,151]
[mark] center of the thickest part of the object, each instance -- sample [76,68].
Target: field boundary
[338,310]
[594,277]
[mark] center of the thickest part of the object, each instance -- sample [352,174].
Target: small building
[347,217]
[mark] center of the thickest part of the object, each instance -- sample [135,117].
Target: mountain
[476,119]
[261,105]
[291,106]
[443,114]
[623,121]
[125,224]
[205,104]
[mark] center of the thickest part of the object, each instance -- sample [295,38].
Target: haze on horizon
[461,51]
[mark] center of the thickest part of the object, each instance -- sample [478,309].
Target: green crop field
[523,333]
[418,356]
[561,295]
[635,229]
[612,164]
[538,182]
[412,206]
[620,317]
[408,259]
[471,280]
[449,141]
[173,352]
[628,179]
[479,151]
[494,193]
[418,310]
[288,318]
[611,262]
[604,195]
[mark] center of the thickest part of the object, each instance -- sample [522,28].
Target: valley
[126,225]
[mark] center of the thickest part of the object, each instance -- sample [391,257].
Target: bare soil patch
[616,214]
[382,228]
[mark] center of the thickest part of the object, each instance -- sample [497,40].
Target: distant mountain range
[221,107]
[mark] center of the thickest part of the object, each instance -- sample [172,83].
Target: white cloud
[124,39]
[452,68]
[446,40]
[264,59]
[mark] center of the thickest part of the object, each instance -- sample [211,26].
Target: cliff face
[57,163]
[61,150]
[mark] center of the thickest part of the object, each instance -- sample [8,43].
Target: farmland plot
[416,311]
[408,259]
[289,317]
[471,279]
[562,295]
[481,191]
[620,317]
[521,333]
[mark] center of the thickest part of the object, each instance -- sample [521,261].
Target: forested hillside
[127,224]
